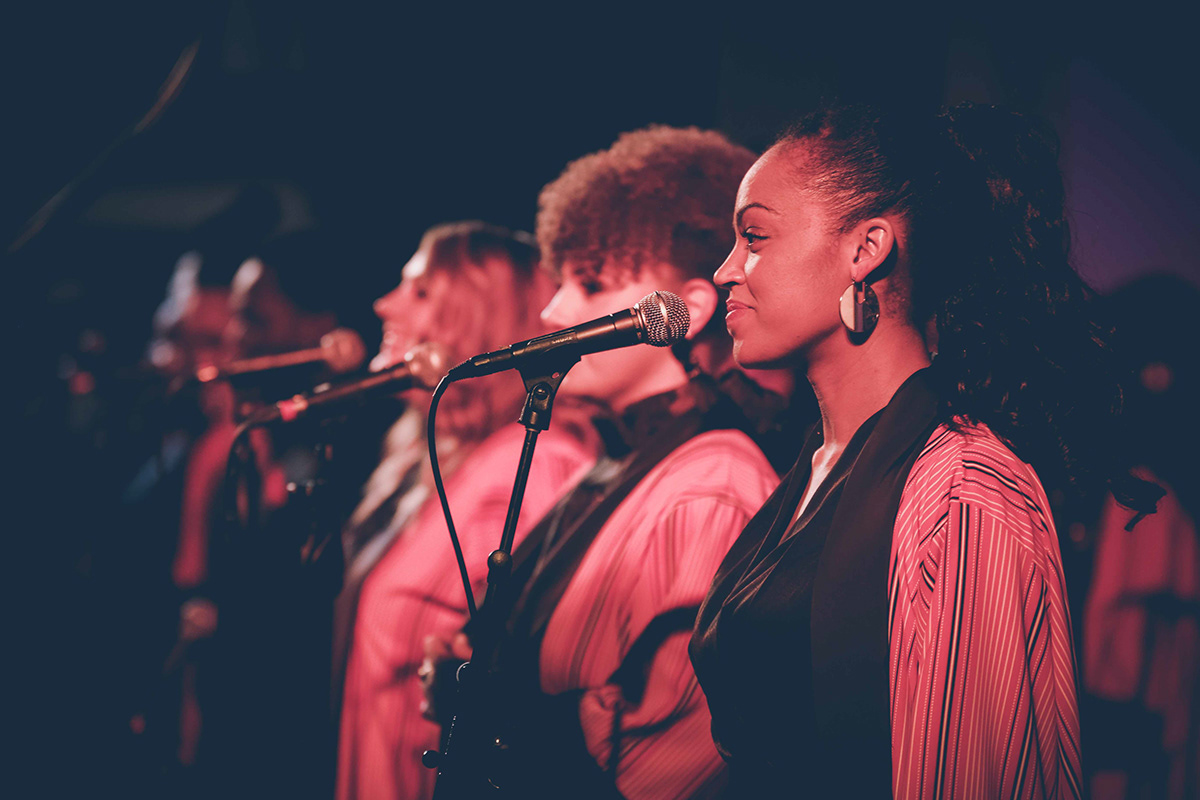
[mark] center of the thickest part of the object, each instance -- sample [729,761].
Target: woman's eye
[752,238]
[591,287]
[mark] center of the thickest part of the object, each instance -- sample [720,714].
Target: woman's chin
[749,358]
[415,396]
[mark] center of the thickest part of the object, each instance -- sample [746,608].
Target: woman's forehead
[416,267]
[773,181]
[798,160]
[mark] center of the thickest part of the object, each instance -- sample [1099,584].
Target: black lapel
[850,609]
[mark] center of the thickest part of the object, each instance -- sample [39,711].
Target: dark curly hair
[987,251]
[659,194]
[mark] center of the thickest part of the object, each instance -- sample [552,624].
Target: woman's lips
[383,360]
[734,309]
[390,352]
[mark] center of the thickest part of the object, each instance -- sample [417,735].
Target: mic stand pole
[232,721]
[472,745]
[310,576]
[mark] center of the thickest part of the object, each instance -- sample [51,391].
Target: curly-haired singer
[602,700]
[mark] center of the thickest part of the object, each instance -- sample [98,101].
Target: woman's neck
[668,377]
[852,382]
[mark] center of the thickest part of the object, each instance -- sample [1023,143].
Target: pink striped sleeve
[982,669]
[666,747]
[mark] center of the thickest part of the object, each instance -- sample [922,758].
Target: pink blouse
[415,591]
[656,554]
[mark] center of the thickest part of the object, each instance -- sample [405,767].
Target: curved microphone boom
[341,350]
[423,367]
[659,319]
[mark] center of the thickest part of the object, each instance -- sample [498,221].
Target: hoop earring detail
[859,307]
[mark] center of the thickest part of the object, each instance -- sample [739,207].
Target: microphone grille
[343,350]
[665,317]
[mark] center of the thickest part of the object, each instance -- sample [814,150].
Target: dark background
[373,122]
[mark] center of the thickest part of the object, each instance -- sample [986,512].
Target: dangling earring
[859,307]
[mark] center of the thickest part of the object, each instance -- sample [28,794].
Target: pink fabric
[415,591]
[204,476]
[982,669]
[202,481]
[1129,656]
[658,552]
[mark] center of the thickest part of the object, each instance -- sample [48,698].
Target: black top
[767,586]
[790,645]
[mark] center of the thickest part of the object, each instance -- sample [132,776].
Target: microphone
[342,350]
[659,319]
[423,366]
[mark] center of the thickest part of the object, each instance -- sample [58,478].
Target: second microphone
[659,319]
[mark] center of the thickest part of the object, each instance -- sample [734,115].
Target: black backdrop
[380,120]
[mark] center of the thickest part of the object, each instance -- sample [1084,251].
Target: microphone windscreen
[665,316]
[343,350]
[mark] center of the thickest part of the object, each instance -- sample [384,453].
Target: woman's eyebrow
[741,211]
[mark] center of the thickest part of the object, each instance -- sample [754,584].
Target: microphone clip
[542,377]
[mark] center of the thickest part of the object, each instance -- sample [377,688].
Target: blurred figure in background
[1141,622]
[270,576]
[471,288]
[277,306]
[189,324]
[260,317]
[156,562]
[213,315]
[188,329]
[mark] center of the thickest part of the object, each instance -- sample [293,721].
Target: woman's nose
[386,305]
[731,271]
[557,313]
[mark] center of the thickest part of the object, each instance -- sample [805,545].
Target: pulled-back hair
[987,250]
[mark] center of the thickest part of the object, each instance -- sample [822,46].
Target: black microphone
[659,319]
[422,366]
[342,350]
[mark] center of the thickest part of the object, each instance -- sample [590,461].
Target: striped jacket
[983,677]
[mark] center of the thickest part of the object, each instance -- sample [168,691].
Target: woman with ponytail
[905,579]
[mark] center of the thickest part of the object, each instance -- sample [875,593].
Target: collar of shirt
[646,419]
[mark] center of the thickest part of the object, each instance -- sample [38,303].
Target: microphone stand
[229,717]
[277,624]
[310,566]
[472,747]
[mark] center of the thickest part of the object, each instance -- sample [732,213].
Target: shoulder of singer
[715,468]
[970,465]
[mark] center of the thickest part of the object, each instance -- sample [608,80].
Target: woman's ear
[701,297]
[871,242]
